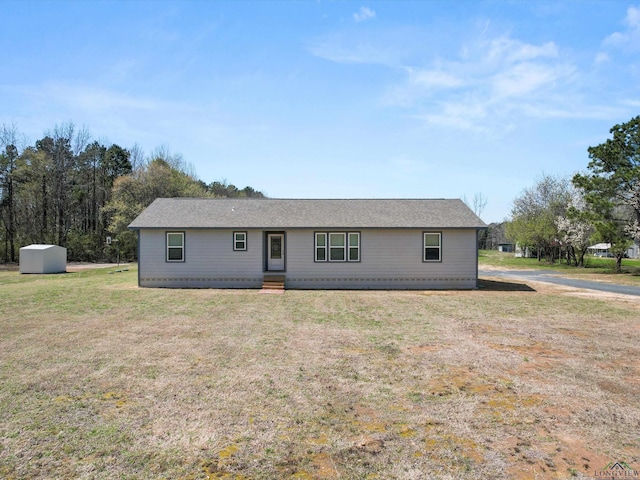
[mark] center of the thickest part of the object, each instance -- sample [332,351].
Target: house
[520,252]
[604,250]
[308,244]
[505,247]
[43,259]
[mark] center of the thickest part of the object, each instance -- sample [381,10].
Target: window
[175,246]
[321,247]
[337,246]
[240,241]
[354,247]
[432,247]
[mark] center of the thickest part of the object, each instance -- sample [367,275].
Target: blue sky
[329,99]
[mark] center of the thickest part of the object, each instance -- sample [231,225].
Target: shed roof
[178,213]
[37,246]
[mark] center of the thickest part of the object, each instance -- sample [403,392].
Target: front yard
[101,379]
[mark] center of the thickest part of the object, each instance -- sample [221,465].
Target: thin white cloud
[364,14]
[78,97]
[628,39]
[469,114]
[480,82]
[526,78]
[580,111]
[386,48]
[97,99]
[633,17]
[433,79]
[390,47]
[490,82]
[129,118]
[507,50]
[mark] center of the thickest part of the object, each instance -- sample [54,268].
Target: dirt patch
[79,266]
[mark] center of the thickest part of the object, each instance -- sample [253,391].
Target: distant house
[308,244]
[505,247]
[604,250]
[43,259]
[523,252]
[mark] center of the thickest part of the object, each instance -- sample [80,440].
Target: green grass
[102,379]
[605,267]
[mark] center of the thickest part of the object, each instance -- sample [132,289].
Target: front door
[275,251]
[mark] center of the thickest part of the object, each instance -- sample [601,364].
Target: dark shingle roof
[180,213]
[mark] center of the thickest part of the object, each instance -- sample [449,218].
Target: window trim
[425,246]
[346,248]
[236,241]
[181,247]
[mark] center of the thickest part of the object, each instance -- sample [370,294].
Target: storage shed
[43,259]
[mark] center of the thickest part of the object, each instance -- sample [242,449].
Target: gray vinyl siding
[389,259]
[209,260]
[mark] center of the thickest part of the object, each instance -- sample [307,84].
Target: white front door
[275,251]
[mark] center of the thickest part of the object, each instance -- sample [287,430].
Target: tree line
[70,190]
[559,218]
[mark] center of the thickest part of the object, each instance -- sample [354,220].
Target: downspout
[477,258]
[138,249]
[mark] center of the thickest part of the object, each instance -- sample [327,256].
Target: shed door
[275,251]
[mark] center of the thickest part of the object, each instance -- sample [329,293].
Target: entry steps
[273,282]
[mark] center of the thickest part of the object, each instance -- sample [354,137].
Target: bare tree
[81,140]
[137,157]
[477,204]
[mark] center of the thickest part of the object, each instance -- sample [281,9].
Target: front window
[175,246]
[337,246]
[432,247]
[240,241]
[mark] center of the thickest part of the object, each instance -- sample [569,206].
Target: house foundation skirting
[201,282]
[309,283]
[382,283]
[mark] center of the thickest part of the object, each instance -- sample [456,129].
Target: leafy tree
[612,187]
[69,190]
[494,236]
[60,157]
[534,215]
[133,193]
[8,160]
[8,163]
[34,197]
[222,189]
